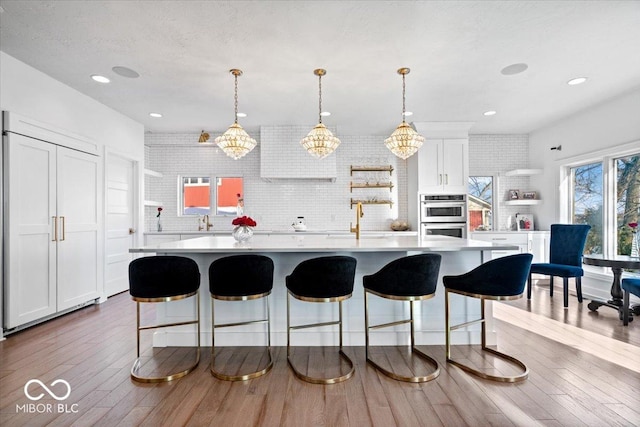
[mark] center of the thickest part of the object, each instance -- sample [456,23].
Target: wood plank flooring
[584,370]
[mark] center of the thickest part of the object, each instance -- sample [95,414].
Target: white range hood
[282,156]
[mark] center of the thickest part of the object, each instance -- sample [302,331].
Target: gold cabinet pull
[55,228]
[63,228]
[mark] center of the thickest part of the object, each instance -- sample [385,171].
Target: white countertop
[284,232]
[306,242]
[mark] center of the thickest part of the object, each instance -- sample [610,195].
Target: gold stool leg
[136,376]
[244,377]
[506,379]
[412,379]
[343,356]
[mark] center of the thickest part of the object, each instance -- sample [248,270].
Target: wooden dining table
[617,263]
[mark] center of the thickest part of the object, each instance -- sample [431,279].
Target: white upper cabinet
[443,166]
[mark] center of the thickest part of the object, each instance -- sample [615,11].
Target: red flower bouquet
[244,220]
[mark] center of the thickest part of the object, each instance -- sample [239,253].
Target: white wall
[31,93]
[612,123]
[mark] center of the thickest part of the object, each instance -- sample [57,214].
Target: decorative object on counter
[299,224]
[240,205]
[404,141]
[524,222]
[320,142]
[529,195]
[634,239]
[159,224]
[398,225]
[235,142]
[244,228]
[514,194]
[204,138]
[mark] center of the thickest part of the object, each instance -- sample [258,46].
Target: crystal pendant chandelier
[320,142]
[404,141]
[235,142]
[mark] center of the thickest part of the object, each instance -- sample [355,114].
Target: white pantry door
[120,223]
[79,207]
[30,290]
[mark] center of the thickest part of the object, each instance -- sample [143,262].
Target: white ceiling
[455,49]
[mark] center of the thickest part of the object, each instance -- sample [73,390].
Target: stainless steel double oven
[443,215]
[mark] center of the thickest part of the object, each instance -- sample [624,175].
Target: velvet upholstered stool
[408,279]
[241,278]
[160,279]
[500,279]
[321,280]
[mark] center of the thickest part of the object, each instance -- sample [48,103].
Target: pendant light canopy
[204,138]
[235,142]
[404,141]
[320,142]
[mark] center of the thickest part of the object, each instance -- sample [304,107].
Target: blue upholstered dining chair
[629,286]
[565,258]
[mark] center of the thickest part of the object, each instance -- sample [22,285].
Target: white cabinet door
[443,166]
[540,246]
[455,166]
[517,239]
[30,279]
[78,210]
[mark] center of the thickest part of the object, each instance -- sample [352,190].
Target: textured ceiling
[455,49]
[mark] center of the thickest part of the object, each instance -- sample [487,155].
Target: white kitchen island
[372,253]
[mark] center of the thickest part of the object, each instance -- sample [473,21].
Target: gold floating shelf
[388,185]
[372,169]
[372,202]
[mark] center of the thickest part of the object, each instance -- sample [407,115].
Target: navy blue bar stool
[241,278]
[500,279]
[160,279]
[321,280]
[409,279]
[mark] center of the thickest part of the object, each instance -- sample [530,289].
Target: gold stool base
[504,379]
[170,377]
[414,379]
[315,380]
[244,377]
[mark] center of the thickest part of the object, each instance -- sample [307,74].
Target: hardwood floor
[584,370]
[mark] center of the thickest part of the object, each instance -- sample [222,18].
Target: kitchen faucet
[359,214]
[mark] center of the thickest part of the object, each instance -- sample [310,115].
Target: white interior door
[79,240]
[120,223]
[30,288]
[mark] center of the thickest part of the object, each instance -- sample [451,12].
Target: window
[587,203]
[196,193]
[480,203]
[606,195]
[627,173]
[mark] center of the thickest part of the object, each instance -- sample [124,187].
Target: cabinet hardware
[55,228]
[446,179]
[440,179]
[63,228]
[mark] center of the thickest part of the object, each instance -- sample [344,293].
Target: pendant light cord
[403,98]
[320,99]
[236,98]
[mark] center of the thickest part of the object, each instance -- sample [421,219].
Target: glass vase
[159,225]
[242,233]
[634,245]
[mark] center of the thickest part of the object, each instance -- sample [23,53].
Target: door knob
[132,230]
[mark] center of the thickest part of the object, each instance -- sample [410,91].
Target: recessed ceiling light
[100,79]
[155,115]
[125,72]
[512,69]
[577,81]
[490,113]
[408,113]
[242,114]
[325,114]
